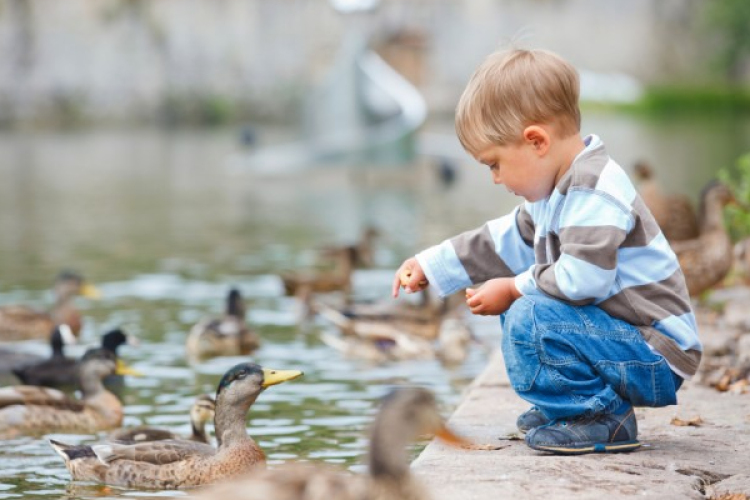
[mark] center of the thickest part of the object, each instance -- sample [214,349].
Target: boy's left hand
[492,298]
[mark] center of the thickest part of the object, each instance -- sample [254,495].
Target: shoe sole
[594,448]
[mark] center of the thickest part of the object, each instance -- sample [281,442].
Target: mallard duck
[379,342]
[12,360]
[63,372]
[422,319]
[201,413]
[27,409]
[228,335]
[336,275]
[19,322]
[706,260]
[361,253]
[674,213]
[398,331]
[174,464]
[404,415]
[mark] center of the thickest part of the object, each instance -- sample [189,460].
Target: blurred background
[170,149]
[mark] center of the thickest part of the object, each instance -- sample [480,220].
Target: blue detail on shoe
[530,419]
[601,433]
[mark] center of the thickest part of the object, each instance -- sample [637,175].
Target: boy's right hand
[410,277]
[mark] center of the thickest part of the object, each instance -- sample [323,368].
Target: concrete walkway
[675,462]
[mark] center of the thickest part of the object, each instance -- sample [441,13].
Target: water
[163,227]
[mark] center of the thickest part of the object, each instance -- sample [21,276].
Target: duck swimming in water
[173,464]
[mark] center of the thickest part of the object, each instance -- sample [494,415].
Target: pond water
[163,225]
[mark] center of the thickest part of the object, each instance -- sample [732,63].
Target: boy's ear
[537,137]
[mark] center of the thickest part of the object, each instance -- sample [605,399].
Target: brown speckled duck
[174,464]
[30,410]
[336,278]
[399,330]
[337,265]
[20,322]
[228,335]
[404,415]
[707,259]
[201,413]
[674,213]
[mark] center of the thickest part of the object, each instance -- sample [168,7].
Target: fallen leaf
[696,421]
[739,387]
[729,496]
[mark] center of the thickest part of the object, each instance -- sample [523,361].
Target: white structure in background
[610,87]
[362,112]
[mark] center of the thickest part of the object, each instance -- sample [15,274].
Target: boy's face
[520,168]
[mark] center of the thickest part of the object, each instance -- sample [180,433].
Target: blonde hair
[513,89]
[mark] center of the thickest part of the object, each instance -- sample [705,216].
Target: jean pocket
[521,362]
[641,383]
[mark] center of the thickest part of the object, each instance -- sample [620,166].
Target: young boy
[593,305]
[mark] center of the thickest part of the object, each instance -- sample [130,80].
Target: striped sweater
[592,241]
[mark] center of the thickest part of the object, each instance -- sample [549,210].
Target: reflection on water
[160,224]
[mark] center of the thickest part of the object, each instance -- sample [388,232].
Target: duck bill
[123,369]
[90,291]
[448,437]
[274,377]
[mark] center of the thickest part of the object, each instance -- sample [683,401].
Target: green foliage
[704,100]
[730,19]
[737,216]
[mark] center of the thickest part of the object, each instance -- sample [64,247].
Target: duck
[419,319]
[32,410]
[674,213]
[20,322]
[707,259]
[12,360]
[178,464]
[228,335]
[201,412]
[335,276]
[398,331]
[361,253]
[62,372]
[380,342]
[405,414]
[337,266]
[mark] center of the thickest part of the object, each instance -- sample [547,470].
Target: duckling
[12,360]
[404,415]
[62,372]
[226,336]
[706,260]
[201,412]
[674,214]
[27,409]
[18,322]
[173,464]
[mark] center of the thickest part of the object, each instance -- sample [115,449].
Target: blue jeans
[578,360]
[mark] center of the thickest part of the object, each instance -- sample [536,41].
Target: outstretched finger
[396,285]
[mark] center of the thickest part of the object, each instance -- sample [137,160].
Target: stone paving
[708,460]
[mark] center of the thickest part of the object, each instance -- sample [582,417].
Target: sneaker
[602,433]
[530,419]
